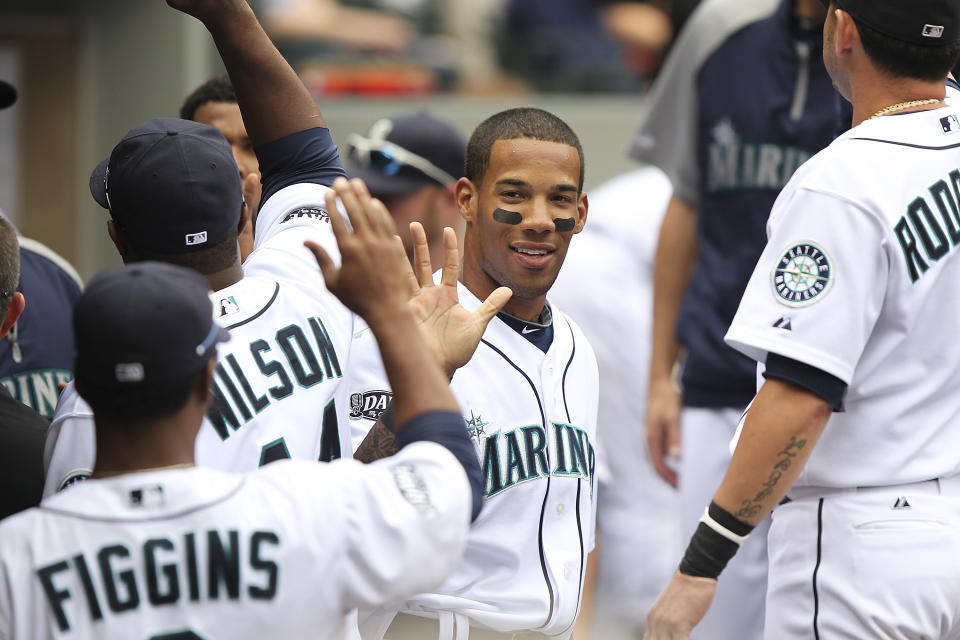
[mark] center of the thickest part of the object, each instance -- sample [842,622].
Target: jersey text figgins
[207,565]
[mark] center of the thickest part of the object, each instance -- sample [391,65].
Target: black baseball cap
[143,323]
[930,23]
[172,186]
[8,94]
[402,153]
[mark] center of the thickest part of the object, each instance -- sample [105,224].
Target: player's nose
[538,217]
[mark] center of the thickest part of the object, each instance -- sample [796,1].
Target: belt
[937,486]
[406,626]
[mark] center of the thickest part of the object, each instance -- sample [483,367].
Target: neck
[879,93]
[223,279]
[141,446]
[480,284]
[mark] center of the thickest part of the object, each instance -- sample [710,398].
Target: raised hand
[449,329]
[372,279]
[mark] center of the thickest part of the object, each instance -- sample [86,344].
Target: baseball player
[856,422]
[215,103]
[742,101]
[275,387]
[35,358]
[636,509]
[22,430]
[528,395]
[156,547]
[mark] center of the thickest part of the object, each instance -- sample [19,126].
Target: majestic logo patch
[369,404]
[316,213]
[783,323]
[802,275]
[950,124]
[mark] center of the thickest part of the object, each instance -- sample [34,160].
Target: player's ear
[845,34]
[205,384]
[582,206]
[114,234]
[466,194]
[17,305]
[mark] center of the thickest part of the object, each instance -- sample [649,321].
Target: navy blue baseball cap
[8,94]
[929,23]
[402,153]
[171,186]
[143,323]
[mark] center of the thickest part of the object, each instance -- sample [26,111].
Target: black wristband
[707,554]
[716,540]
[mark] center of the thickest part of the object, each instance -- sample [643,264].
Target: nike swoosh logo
[527,330]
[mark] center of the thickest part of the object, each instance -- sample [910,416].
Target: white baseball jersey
[198,553]
[532,416]
[613,258]
[277,379]
[860,279]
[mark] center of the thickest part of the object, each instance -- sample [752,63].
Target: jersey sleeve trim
[757,345]
[308,156]
[814,380]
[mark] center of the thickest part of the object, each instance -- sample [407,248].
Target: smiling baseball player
[856,423]
[153,547]
[275,388]
[528,395]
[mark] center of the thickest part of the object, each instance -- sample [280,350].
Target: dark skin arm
[273,101]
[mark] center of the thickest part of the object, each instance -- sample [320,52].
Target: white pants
[737,611]
[877,562]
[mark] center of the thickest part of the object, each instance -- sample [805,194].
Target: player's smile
[533,255]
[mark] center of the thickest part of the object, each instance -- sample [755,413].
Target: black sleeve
[304,156]
[447,428]
[816,381]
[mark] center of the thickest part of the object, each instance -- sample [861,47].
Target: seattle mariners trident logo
[509,458]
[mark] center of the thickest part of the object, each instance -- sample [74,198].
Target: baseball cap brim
[98,183]
[8,94]
[383,185]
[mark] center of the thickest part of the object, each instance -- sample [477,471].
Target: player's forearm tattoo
[750,508]
[379,443]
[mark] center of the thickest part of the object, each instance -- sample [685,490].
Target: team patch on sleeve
[413,488]
[316,213]
[369,404]
[802,275]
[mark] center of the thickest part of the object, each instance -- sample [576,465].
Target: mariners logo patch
[803,275]
[369,404]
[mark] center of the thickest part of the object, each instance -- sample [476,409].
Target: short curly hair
[213,90]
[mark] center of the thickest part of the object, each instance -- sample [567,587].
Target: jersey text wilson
[301,361]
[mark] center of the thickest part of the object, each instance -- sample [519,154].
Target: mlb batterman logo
[802,275]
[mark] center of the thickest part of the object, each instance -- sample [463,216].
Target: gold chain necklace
[900,106]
